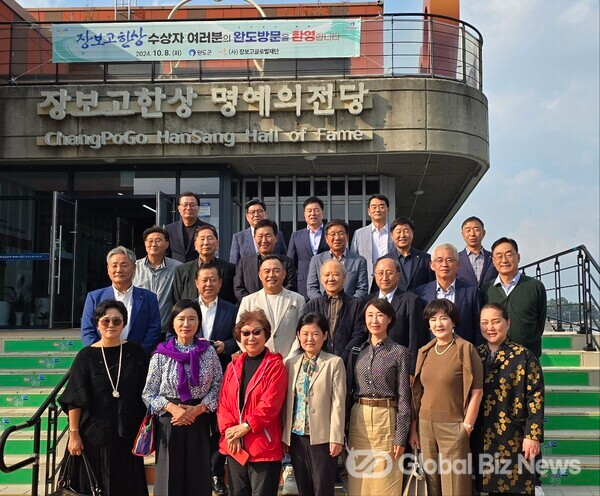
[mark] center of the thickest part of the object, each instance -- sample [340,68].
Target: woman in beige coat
[314,409]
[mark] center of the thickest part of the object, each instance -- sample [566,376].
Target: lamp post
[258,65]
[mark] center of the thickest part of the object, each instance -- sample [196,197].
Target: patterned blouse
[300,424]
[382,371]
[162,380]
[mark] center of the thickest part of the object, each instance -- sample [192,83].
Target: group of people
[285,359]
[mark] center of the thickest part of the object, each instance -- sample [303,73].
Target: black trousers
[314,468]
[182,458]
[217,460]
[253,478]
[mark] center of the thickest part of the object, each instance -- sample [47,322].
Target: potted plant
[19,298]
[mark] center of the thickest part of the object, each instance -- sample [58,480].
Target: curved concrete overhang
[430,135]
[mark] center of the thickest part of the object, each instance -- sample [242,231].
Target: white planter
[4,312]
[19,318]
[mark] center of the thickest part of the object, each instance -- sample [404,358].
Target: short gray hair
[121,250]
[445,246]
[333,260]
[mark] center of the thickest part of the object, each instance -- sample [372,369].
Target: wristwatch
[469,427]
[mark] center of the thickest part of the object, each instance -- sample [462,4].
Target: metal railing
[392,46]
[53,439]
[572,281]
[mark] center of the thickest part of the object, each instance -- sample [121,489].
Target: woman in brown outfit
[447,391]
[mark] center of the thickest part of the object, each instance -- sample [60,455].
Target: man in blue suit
[218,320]
[143,325]
[414,263]
[307,242]
[336,235]
[476,265]
[242,243]
[465,296]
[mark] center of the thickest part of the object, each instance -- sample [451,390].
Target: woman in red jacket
[249,412]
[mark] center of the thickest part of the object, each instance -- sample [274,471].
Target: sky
[541,78]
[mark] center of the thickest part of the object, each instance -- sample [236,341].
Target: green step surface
[22,399]
[30,362]
[21,476]
[42,345]
[576,397]
[557,342]
[578,422]
[560,359]
[22,447]
[587,477]
[572,447]
[14,420]
[566,378]
[39,380]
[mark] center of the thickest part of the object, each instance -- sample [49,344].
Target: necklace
[436,347]
[114,386]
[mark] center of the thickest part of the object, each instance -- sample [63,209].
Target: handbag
[415,484]
[144,441]
[63,486]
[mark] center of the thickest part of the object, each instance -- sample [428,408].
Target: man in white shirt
[374,241]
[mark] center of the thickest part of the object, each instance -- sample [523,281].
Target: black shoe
[218,486]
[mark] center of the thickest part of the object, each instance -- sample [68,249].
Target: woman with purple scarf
[183,383]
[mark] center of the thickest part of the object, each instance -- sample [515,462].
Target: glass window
[338,187]
[268,189]
[355,215]
[286,218]
[201,185]
[303,187]
[90,183]
[355,189]
[321,188]
[338,211]
[286,188]
[27,184]
[251,190]
[372,187]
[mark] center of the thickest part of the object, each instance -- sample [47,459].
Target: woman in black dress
[104,401]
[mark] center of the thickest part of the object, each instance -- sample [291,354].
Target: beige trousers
[450,442]
[372,430]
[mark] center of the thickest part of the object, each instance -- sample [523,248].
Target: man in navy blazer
[143,323]
[246,280]
[414,263]
[307,242]
[218,320]
[476,265]
[465,296]
[242,243]
[336,235]
[181,232]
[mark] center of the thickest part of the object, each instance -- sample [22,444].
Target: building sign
[206,40]
[153,103]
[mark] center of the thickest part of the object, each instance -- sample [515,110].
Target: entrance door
[63,246]
[165,209]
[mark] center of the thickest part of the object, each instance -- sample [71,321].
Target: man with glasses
[524,297]
[374,241]
[181,232]
[155,271]
[143,323]
[243,243]
[206,242]
[476,265]
[336,236]
[466,297]
[247,278]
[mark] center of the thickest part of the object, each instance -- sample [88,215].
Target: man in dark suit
[246,279]
[465,296]
[143,323]
[343,312]
[414,263]
[242,243]
[336,235]
[218,320]
[206,242]
[181,232]
[408,330]
[476,265]
[307,242]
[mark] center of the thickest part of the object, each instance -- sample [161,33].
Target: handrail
[584,276]
[35,421]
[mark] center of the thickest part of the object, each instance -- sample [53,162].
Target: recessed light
[419,192]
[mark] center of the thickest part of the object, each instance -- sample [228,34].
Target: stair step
[571,442]
[571,376]
[41,361]
[568,340]
[557,418]
[585,396]
[31,378]
[42,345]
[19,397]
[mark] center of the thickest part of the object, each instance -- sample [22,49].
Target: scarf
[182,357]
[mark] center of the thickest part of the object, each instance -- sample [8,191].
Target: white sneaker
[539,491]
[289,482]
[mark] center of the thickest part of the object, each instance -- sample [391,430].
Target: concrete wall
[405,115]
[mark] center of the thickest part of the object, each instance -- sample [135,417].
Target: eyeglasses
[255,213]
[158,241]
[440,261]
[509,255]
[190,205]
[106,321]
[341,234]
[254,332]
[387,273]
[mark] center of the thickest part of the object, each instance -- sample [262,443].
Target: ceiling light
[419,192]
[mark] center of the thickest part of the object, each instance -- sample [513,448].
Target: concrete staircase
[32,363]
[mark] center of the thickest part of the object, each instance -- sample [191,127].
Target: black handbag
[63,486]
